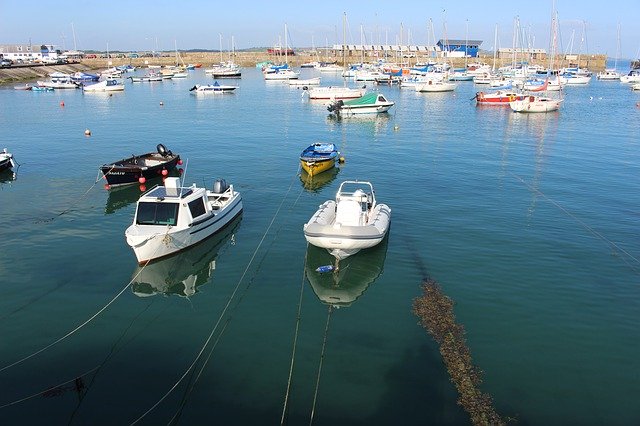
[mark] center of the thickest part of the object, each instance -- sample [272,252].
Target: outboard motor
[162,150]
[220,185]
[335,106]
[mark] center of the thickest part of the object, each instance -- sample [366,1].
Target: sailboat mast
[495,47]
[286,45]
[344,39]
[221,57]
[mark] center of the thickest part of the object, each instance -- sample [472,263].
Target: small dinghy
[318,157]
[172,218]
[354,221]
[140,168]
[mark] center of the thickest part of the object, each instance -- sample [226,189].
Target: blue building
[458,48]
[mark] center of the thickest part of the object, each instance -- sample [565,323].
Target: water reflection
[122,196]
[376,122]
[7,176]
[356,274]
[183,273]
[319,181]
[543,128]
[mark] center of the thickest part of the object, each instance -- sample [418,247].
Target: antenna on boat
[183,177]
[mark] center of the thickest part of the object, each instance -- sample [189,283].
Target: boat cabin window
[157,213]
[196,207]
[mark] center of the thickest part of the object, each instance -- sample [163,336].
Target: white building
[30,53]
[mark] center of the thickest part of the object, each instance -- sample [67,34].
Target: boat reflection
[122,196]
[356,273]
[319,181]
[184,272]
[8,176]
[377,122]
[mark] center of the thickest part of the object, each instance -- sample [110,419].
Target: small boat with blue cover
[318,157]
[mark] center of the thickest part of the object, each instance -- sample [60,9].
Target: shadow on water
[356,273]
[183,273]
[319,181]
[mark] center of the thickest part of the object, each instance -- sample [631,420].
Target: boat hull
[343,241]
[129,170]
[316,167]
[150,247]
[6,163]
[537,105]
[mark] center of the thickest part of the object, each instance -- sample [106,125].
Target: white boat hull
[343,241]
[537,105]
[149,244]
[335,93]
[435,86]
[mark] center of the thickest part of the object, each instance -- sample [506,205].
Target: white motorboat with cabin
[171,218]
[354,221]
[212,88]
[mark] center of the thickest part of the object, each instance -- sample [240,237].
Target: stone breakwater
[245,59]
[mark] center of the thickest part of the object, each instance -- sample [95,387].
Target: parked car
[6,63]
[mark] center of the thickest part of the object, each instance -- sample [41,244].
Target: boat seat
[349,213]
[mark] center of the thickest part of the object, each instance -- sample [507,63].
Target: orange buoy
[142,188]
[142,179]
[61,103]
[87,132]
[107,186]
[180,162]
[164,172]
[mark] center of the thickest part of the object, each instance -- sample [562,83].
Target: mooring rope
[94,369]
[581,222]
[91,318]
[224,310]
[26,398]
[228,320]
[324,346]
[295,340]
[68,209]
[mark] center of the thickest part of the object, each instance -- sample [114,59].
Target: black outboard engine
[162,150]
[335,106]
[220,185]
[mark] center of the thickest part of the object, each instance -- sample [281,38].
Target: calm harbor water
[528,222]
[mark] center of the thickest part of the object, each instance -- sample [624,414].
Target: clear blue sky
[145,25]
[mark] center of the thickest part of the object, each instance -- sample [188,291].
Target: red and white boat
[499,98]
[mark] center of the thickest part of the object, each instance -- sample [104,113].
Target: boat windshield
[157,213]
